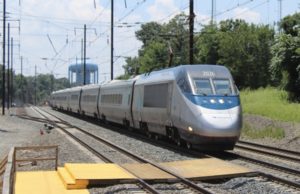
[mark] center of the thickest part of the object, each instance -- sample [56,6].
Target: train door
[137,105]
[169,101]
[98,102]
[79,100]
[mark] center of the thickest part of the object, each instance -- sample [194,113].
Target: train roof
[168,74]
[193,70]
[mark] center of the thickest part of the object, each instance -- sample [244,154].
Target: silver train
[197,105]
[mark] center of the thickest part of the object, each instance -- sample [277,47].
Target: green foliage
[24,87]
[158,40]
[208,45]
[270,102]
[155,57]
[132,66]
[290,24]
[267,132]
[285,67]
[244,48]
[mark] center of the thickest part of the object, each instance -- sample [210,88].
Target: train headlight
[190,129]
[212,101]
[221,101]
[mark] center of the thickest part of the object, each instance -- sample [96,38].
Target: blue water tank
[76,73]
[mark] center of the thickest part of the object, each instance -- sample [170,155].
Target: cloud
[161,9]
[246,14]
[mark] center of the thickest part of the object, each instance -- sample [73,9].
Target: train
[193,105]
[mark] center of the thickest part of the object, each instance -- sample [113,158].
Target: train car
[197,105]
[210,113]
[53,103]
[89,100]
[74,99]
[115,101]
[60,99]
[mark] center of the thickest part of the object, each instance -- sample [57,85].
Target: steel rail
[98,154]
[270,148]
[197,153]
[268,153]
[278,179]
[140,159]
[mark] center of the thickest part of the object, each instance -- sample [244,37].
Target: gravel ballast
[158,154]
[72,152]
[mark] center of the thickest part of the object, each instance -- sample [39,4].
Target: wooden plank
[34,159]
[42,182]
[36,147]
[206,168]
[148,172]
[8,175]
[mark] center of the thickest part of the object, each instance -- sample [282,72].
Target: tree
[244,48]
[285,67]
[155,57]
[158,40]
[208,45]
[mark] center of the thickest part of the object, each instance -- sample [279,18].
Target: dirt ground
[291,141]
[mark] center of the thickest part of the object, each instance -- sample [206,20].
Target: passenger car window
[203,87]
[222,87]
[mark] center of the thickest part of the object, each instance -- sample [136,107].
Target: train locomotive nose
[221,120]
[220,115]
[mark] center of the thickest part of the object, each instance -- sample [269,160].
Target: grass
[270,102]
[269,131]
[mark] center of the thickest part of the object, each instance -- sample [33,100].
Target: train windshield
[203,87]
[222,87]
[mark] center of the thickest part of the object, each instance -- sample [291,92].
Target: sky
[48,33]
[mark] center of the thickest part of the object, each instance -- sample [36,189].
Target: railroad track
[269,151]
[3,163]
[221,155]
[187,183]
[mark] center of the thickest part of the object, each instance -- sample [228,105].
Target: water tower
[76,74]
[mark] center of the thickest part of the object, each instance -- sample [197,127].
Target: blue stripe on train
[216,102]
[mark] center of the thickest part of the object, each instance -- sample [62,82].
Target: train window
[222,86]
[111,98]
[156,95]
[184,86]
[203,87]
[74,97]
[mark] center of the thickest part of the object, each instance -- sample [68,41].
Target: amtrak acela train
[197,105]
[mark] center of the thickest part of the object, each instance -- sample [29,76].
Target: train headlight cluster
[213,101]
[190,129]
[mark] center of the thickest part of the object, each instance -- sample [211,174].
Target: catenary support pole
[84,56]
[112,42]
[3,58]
[12,71]
[191,48]
[8,71]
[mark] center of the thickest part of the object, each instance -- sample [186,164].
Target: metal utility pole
[280,15]
[84,56]
[191,32]
[213,10]
[8,92]
[3,57]
[11,71]
[35,85]
[112,42]
[81,61]
[52,81]
[22,88]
